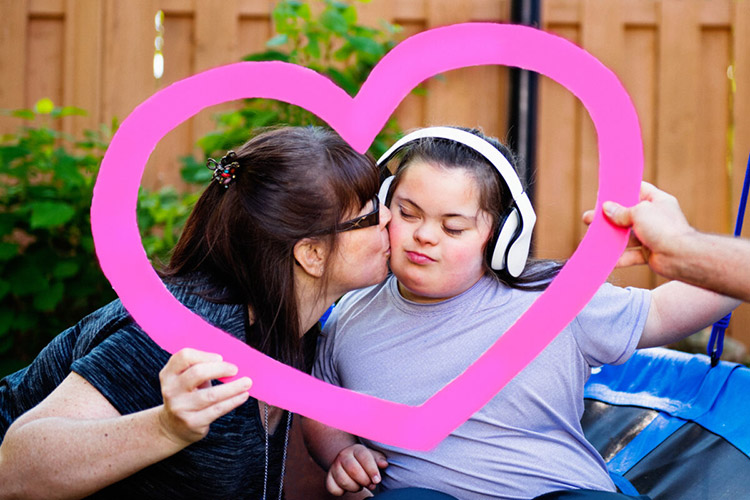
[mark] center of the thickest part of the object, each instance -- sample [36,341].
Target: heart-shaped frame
[358,120]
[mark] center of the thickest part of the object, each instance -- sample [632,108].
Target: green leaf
[4,288]
[65,269]
[47,300]
[277,40]
[7,250]
[26,114]
[312,48]
[26,280]
[344,81]
[69,172]
[50,214]
[366,45]
[87,243]
[334,21]
[269,55]
[350,14]
[344,52]
[69,111]
[303,11]
[10,153]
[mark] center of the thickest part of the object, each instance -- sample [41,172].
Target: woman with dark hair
[291,223]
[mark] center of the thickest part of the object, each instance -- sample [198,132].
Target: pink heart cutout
[358,120]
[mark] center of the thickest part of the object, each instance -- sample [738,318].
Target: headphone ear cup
[518,254]
[384,187]
[509,227]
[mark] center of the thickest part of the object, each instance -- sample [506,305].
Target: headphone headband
[481,146]
[514,238]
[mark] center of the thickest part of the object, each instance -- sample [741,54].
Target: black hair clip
[225,170]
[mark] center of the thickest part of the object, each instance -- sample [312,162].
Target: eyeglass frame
[363,221]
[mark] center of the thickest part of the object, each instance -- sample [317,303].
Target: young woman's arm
[75,442]
[678,310]
[351,466]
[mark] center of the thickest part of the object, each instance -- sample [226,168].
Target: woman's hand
[355,467]
[191,403]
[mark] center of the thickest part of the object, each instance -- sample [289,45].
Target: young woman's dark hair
[494,196]
[291,183]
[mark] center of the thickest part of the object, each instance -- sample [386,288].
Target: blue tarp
[683,388]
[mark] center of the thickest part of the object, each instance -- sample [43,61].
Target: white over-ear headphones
[516,225]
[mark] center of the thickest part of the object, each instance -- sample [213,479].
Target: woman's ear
[311,254]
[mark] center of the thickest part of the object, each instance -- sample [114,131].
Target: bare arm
[718,263]
[75,442]
[678,310]
[351,466]
[672,248]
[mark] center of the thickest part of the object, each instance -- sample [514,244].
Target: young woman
[459,241]
[291,224]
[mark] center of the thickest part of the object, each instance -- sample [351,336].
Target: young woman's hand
[355,467]
[191,403]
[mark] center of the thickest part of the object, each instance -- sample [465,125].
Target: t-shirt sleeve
[125,368]
[324,367]
[610,326]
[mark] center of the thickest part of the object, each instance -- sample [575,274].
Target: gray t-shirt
[527,440]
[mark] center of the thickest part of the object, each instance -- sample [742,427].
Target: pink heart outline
[357,120]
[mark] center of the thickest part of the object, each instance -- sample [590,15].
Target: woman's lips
[418,258]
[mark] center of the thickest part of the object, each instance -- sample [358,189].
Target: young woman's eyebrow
[471,218]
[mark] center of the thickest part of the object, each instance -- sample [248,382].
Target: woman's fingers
[185,358]
[191,402]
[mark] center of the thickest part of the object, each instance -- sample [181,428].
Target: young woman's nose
[426,234]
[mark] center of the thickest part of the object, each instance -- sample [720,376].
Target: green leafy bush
[49,274]
[332,43]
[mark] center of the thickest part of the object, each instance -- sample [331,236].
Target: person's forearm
[719,263]
[678,310]
[68,458]
[324,443]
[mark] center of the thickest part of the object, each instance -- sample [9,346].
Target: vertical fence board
[678,104]
[82,78]
[13,60]
[128,56]
[641,44]
[741,101]
[163,167]
[603,34]
[253,34]
[740,326]
[216,44]
[557,156]
[128,75]
[710,168]
[45,60]
[412,112]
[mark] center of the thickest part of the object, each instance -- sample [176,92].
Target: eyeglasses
[367,220]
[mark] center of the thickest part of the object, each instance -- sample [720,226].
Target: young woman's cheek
[396,232]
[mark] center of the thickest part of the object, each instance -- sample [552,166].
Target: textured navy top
[112,353]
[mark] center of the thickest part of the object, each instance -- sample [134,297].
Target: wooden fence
[686,64]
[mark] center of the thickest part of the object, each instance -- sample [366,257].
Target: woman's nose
[385,215]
